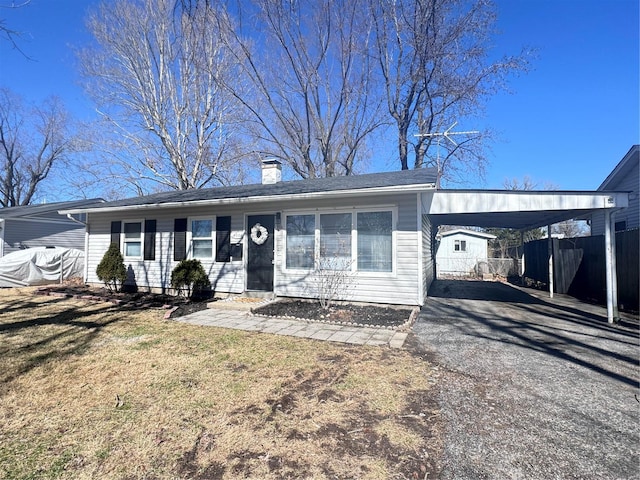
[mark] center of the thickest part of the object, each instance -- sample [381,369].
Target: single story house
[41,226]
[624,177]
[462,252]
[378,229]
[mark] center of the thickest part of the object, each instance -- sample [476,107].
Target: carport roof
[521,210]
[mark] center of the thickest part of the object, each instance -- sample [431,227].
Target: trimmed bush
[111,269]
[189,277]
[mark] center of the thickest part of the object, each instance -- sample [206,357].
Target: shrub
[189,276]
[332,280]
[111,269]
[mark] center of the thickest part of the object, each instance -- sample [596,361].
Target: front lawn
[90,390]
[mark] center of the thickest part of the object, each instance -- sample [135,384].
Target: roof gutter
[268,198]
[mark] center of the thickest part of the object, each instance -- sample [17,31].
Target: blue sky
[568,121]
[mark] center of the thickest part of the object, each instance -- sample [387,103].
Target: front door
[260,229]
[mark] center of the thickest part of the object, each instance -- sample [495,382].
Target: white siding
[225,277]
[20,234]
[631,214]
[452,262]
[400,287]
[427,255]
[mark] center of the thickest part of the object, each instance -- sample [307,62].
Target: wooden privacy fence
[579,267]
[477,268]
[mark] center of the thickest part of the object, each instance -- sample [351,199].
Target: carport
[525,210]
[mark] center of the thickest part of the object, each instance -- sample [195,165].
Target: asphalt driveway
[531,387]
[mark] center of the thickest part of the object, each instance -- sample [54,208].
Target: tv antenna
[446,134]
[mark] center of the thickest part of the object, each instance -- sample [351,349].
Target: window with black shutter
[116,229]
[149,239]
[223,239]
[179,239]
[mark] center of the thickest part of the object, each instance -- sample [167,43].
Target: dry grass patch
[89,390]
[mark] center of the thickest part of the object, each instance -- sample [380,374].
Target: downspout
[420,250]
[1,237]
[70,217]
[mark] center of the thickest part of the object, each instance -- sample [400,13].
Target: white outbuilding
[462,252]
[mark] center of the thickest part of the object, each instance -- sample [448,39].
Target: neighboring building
[272,237]
[462,252]
[625,177]
[41,226]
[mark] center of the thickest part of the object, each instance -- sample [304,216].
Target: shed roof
[419,179]
[472,233]
[26,211]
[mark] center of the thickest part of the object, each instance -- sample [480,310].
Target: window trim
[352,260]
[393,242]
[190,238]
[354,237]
[316,240]
[459,243]
[123,240]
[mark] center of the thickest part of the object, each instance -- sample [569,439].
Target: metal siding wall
[631,214]
[21,234]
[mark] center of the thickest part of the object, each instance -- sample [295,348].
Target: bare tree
[32,141]
[434,63]
[314,106]
[527,183]
[157,71]
[7,33]
[571,228]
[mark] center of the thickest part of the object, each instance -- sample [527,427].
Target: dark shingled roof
[45,208]
[297,187]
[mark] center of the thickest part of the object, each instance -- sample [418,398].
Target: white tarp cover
[40,265]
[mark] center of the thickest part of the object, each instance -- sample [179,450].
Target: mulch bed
[371,315]
[350,314]
[131,300]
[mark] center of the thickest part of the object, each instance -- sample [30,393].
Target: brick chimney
[271,172]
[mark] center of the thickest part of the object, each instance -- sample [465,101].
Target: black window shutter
[149,239]
[116,228]
[223,239]
[179,239]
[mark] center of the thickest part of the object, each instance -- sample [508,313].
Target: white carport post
[614,268]
[550,246]
[610,269]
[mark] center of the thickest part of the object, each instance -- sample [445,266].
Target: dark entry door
[260,252]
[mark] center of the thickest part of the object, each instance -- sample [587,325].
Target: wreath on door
[259,234]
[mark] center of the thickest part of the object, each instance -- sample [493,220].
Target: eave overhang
[360,192]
